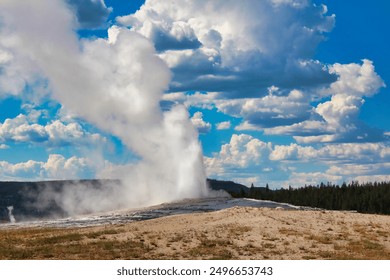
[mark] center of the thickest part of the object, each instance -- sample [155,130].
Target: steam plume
[115,84]
[11,215]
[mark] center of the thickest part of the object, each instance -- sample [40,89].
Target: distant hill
[231,187]
[23,196]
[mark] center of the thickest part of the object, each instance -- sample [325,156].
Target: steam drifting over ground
[117,85]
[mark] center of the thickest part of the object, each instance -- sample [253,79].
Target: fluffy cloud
[308,128]
[30,169]
[260,53]
[292,152]
[56,167]
[247,157]
[342,153]
[56,133]
[354,82]
[337,120]
[224,125]
[19,130]
[268,111]
[242,152]
[200,124]
[292,112]
[90,13]
[59,167]
[256,44]
[354,79]
[271,111]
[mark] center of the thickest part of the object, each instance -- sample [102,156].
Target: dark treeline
[364,198]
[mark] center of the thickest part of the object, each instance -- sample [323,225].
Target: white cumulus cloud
[337,120]
[59,167]
[56,167]
[345,152]
[200,124]
[224,125]
[246,156]
[243,151]
[55,133]
[268,111]
[254,45]
[257,46]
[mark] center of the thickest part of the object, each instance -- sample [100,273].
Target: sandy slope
[264,233]
[239,232]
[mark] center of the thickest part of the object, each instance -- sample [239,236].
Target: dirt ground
[234,233]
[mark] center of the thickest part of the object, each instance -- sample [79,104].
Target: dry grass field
[235,233]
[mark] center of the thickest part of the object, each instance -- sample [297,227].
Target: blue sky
[284,92]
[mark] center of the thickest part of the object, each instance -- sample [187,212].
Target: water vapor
[117,85]
[11,215]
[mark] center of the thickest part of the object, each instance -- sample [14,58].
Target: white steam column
[11,215]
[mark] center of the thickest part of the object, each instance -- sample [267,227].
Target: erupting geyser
[116,84]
